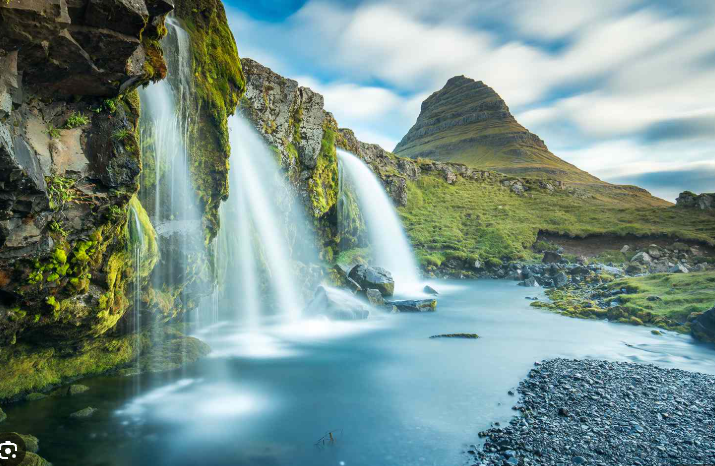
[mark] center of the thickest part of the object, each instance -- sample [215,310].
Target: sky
[624,89]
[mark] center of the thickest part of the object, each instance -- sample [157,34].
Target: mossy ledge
[218,83]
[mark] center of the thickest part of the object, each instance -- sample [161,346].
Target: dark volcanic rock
[373,277]
[604,413]
[551,258]
[415,305]
[703,327]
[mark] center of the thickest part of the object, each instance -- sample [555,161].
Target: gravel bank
[603,413]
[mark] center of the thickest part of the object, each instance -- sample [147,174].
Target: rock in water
[415,305]
[703,327]
[529,282]
[469,336]
[70,390]
[551,258]
[373,277]
[336,305]
[429,290]
[375,297]
[84,413]
[561,280]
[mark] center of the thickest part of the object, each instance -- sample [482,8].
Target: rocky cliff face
[293,121]
[69,171]
[467,122]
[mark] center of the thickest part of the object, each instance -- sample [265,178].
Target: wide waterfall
[388,242]
[263,233]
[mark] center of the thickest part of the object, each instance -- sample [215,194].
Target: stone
[84,413]
[32,444]
[551,257]
[35,397]
[642,258]
[625,249]
[678,268]
[703,327]
[374,297]
[634,269]
[468,336]
[561,280]
[70,390]
[373,277]
[353,285]
[429,290]
[529,282]
[336,304]
[415,305]
[3,416]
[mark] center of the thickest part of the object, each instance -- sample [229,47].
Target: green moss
[323,184]
[142,238]
[60,190]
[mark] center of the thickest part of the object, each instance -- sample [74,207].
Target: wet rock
[529,282]
[373,277]
[551,257]
[336,305]
[70,390]
[429,290]
[415,305]
[353,285]
[703,327]
[468,336]
[35,397]
[374,297]
[32,444]
[84,413]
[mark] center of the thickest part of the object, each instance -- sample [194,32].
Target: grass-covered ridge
[484,220]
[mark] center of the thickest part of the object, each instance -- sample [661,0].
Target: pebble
[618,413]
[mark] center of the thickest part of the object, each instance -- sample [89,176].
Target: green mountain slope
[467,122]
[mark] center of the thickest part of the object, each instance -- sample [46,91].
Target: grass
[679,294]
[353,256]
[483,219]
[75,120]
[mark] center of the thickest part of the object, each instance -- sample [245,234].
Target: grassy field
[485,220]
[675,296]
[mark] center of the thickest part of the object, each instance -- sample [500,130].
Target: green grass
[680,294]
[75,120]
[353,256]
[482,219]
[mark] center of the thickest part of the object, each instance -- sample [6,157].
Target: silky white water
[259,277]
[388,242]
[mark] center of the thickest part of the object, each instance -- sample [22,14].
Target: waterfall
[136,236]
[262,232]
[388,242]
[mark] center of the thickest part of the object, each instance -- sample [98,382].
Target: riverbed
[387,393]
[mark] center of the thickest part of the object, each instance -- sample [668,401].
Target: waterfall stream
[388,242]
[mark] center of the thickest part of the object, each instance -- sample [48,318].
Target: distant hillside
[468,122]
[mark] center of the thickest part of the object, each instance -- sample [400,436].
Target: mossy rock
[35,397]
[142,238]
[3,416]
[32,459]
[32,445]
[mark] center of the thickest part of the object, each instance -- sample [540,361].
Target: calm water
[390,394]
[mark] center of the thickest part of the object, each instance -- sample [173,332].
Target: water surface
[390,394]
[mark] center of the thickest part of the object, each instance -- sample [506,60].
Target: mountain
[468,122]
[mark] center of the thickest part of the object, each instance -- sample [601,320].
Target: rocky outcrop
[293,121]
[467,121]
[689,200]
[703,327]
[69,161]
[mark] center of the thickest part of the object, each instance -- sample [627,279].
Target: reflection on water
[399,398]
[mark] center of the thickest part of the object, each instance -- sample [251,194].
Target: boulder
[415,305]
[336,304]
[429,290]
[678,268]
[642,258]
[70,390]
[561,280]
[703,327]
[353,285]
[634,269]
[551,257]
[529,282]
[373,277]
[625,249]
[374,297]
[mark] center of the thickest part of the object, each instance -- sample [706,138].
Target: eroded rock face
[69,161]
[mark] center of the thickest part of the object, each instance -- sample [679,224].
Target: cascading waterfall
[254,244]
[388,242]
[136,234]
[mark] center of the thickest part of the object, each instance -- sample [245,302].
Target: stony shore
[604,413]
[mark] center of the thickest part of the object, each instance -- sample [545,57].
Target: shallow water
[390,394]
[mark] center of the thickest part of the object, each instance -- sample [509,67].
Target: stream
[387,393]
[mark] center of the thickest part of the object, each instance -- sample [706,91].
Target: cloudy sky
[624,89]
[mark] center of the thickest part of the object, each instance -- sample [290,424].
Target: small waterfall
[136,236]
[388,242]
[262,232]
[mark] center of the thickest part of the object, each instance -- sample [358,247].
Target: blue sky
[624,89]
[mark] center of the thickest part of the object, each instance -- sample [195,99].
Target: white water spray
[388,242]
